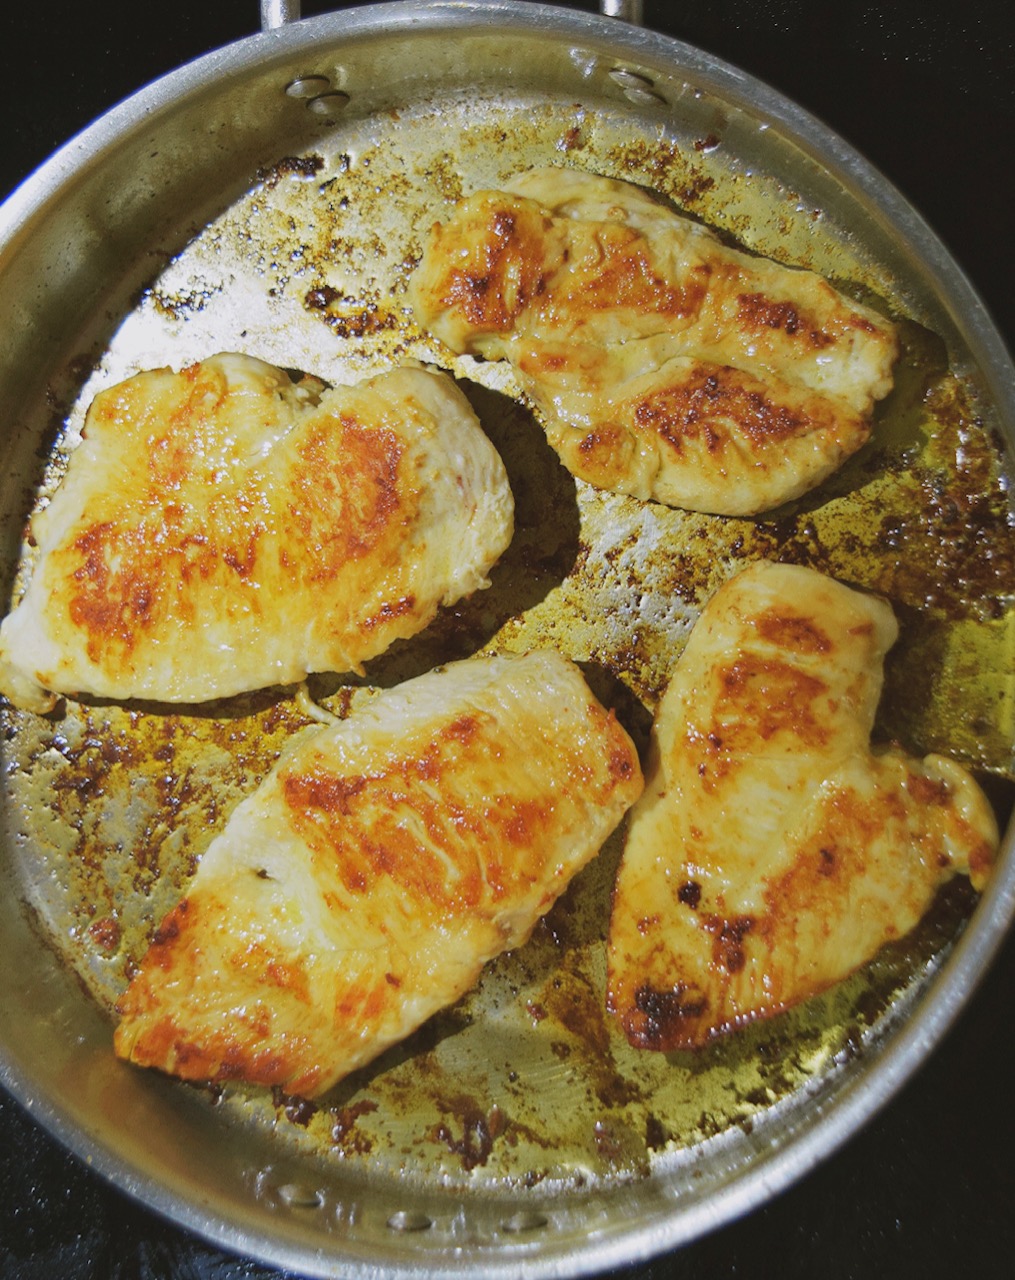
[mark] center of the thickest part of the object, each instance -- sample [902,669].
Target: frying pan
[195,1162]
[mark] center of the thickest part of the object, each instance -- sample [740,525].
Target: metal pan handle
[626,10]
[278,13]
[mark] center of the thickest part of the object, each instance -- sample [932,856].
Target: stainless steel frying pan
[270,198]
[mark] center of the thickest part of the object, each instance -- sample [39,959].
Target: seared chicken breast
[225,528]
[664,364]
[381,864]
[773,852]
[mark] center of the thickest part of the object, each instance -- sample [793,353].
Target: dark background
[926,90]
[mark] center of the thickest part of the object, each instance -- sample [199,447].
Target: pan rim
[909,1045]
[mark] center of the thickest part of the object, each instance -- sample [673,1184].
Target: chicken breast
[381,864]
[663,363]
[224,529]
[773,852]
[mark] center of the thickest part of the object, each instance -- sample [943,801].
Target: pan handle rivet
[298,1195]
[410,1220]
[328,104]
[628,79]
[308,86]
[643,97]
[525,1220]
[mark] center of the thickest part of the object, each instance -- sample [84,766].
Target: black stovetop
[926,90]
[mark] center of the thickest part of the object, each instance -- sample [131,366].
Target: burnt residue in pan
[525,1081]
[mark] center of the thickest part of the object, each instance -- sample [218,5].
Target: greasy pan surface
[421,1243]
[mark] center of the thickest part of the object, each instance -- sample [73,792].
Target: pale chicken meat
[375,871]
[226,528]
[773,852]
[663,363]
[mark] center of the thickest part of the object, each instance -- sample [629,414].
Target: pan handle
[278,13]
[626,10]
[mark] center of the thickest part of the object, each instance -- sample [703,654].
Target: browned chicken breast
[773,852]
[371,876]
[664,364]
[224,529]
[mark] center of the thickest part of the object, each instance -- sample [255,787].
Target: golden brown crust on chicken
[664,364]
[773,852]
[222,529]
[383,862]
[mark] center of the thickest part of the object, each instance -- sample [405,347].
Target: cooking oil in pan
[525,1081]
